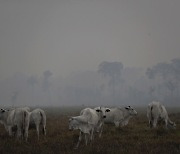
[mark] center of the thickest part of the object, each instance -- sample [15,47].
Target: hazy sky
[70,35]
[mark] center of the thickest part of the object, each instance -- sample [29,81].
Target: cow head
[102,111]
[171,125]
[174,125]
[131,110]
[2,111]
[73,123]
[70,123]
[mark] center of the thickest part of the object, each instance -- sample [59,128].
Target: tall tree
[46,83]
[170,74]
[14,97]
[32,81]
[112,70]
[176,68]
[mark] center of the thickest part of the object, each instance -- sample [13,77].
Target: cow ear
[108,110]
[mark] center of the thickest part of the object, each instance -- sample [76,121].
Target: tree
[171,86]
[46,84]
[176,69]
[112,70]
[169,73]
[150,73]
[14,98]
[32,81]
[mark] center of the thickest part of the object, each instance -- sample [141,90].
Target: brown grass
[136,138]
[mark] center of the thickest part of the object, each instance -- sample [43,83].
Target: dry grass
[136,138]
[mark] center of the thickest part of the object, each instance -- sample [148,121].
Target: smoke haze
[50,51]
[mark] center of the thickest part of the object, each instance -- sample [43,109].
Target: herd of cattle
[18,121]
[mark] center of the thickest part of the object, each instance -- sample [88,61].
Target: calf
[88,121]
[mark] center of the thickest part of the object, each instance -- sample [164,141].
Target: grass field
[135,138]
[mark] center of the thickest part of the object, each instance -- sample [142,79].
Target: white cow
[14,129]
[102,112]
[37,119]
[120,116]
[157,112]
[17,118]
[88,121]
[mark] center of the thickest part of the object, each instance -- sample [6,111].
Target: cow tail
[151,117]
[151,113]
[26,123]
[23,123]
[43,121]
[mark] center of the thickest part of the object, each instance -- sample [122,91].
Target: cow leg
[116,123]
[101,129]
[10,131]
[19,134]
[44,130]
[79,140]
[92,134]
[86,138]
[150,124]
[154,123]
[37,130]
[166,123]
[26,133]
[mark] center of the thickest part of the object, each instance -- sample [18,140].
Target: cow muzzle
[70,129]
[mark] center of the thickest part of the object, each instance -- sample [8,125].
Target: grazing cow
[38,118]
[88,121]
[120,116]
[157,112]
[17,118]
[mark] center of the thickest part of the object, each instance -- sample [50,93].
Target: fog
[89,52]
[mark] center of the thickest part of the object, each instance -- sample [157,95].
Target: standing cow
[157,112]
[102,112]
[38,118]
[120,116]
[88,121]
[16,118]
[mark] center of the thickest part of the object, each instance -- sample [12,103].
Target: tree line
[112,83]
